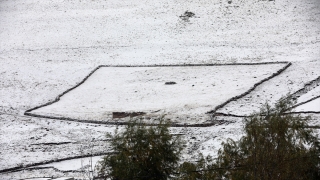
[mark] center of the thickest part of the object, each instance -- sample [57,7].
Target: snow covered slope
[184,93]
[151,32]
[47,47]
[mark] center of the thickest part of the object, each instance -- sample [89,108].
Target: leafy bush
[142,152]
[276,145]
[202,169]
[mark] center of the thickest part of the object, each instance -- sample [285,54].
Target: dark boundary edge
[303,90]
[305,102]
[21,168]
[293,95]
[242,116]
[250,90]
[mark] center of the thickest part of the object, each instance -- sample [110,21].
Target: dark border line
[21,168]
[231,115]
[218,122]
[242,116]
[63,143]
[51,144]
[293,95]
[48,167]
[305,102]
[305,112]
[311,84]
[250,90]
[28,112]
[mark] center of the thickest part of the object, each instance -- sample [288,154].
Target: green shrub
[142,152]
[276,145]
[202,169]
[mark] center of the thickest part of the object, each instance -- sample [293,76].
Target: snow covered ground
[309,102]
[291,80]
[190,92]
[309,95]
[48,47]
[313,106]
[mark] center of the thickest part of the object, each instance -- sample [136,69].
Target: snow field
[197,90]
[289,81]
[309,95]
[312,106]
[47,47]
[145,32]
[32,140]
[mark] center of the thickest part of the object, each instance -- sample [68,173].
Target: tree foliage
[142,152]
[202,169]
[276,145]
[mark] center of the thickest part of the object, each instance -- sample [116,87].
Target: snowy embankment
[48,47]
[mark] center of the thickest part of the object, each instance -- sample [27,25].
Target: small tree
[276,145]
[142,152]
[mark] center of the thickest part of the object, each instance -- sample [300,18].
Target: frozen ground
[190,92]
[48,47]
[309,102]
[313,106]
[291,80]
[309,95]
[148,32]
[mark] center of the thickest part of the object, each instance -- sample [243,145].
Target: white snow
[313,105]
[48,47]
[76,164]
[309,95]
[142,89]
[149,32]
[291,80]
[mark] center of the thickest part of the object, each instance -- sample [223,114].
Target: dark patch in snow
[126,114]
[187,15]
[170,83]
[50,144]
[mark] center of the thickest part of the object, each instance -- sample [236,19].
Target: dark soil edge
[20,168]
[294,95]
[249,91]
[306,88]
[240,116]
[305,102]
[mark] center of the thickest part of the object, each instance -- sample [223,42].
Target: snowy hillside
[49,47]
